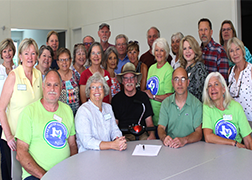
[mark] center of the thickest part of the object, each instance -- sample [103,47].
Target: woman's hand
[148,92]
[12,143]
[120,143]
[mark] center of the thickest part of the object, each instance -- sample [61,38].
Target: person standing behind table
[44,59]
[22,87]
[175,40]
[224,121]
[52,40]
[228,31]
[79,60]
[96,128]
[148,58]
[213,54]
[104,34]
[159,84]
[240,77]
[180,114]
[191,60]
[7,49]
[133,52]
[46,132]
[70,86]
[109,62]
[95,55]
[87,41]
[121,43]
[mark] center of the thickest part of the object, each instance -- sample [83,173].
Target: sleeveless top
[241,90]
[23,94]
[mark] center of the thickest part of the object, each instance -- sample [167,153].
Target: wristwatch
[154,96]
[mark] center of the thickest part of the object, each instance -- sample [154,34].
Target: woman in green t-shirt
[224,121]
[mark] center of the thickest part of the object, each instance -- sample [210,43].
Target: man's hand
[178,142]
[167,141]
[120,143]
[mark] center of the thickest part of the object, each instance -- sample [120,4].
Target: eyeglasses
[136,42]
[123,44]
[93,88]
[87,43]
[62,60]
[93,53]
[226,29]
[183,79]
[128,78]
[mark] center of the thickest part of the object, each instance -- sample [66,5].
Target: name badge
[2,77]
[227,117]
[106,78]
[107,116]
[21,87]
[56,117]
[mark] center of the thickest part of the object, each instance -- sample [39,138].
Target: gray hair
[162,43]
[52,70]
[153,27]
[177,35]
[205,96]
[110,50]
[238,43]
[96,78]
[119,36]
[90,37]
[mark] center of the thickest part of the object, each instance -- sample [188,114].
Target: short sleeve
[206,121]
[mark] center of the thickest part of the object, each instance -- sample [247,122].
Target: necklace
[239,87]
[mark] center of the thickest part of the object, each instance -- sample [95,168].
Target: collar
[188,99]
[209,45]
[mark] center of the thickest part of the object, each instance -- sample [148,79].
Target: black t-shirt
[128,110]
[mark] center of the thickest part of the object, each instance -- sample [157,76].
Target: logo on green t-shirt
[153,85]
[55,134]
[225,129]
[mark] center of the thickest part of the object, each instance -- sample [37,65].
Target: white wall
[133,18]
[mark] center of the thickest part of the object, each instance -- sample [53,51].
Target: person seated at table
[180,114]
[224,121]
[95,124]
[44,59]
[45,131]
[128,103]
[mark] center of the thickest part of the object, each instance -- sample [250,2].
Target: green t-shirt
[180,123]
[230,123]
[46,133]
[159,83]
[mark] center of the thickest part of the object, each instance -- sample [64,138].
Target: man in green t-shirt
[45,131]
[180,116]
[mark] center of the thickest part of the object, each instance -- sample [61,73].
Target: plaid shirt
[215,58]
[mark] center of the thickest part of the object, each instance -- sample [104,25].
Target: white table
[194,161]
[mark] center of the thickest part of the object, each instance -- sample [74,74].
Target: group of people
[53,106]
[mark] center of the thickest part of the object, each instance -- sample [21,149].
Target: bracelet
[235,143]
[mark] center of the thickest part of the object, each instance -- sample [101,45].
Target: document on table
[146,150]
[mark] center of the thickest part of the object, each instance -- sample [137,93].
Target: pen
[143,147]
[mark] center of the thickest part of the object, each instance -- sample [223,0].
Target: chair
[16,168]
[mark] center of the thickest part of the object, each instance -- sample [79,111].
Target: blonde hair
[238,43]
[7,43]
[26,43]
[195,47]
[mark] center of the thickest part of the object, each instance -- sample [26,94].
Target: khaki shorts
[131,137]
